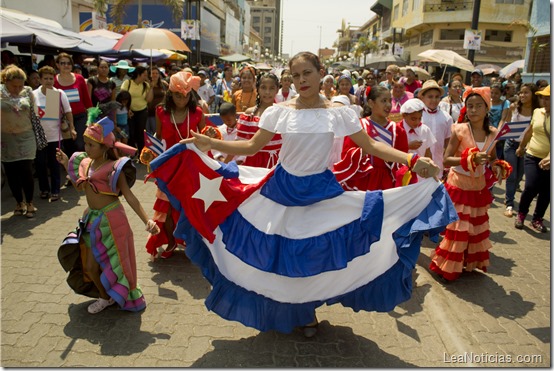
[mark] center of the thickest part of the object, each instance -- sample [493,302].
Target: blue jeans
[537,182]
[517,170]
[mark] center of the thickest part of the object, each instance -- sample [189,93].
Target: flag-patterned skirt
[276,246]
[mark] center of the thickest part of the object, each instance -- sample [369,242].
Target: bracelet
[467,160]
[412,159]
[505,166]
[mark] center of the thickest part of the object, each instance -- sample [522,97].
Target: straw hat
[428,85]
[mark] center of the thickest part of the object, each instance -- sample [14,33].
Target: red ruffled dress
[247,126]
[172,134]
[369,173]
[466,242]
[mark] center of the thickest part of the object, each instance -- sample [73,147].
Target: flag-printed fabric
[275,246]
[154,144]
[379,133]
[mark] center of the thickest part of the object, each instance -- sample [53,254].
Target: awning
[379,5]
[235,58]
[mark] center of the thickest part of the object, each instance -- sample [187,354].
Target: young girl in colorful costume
[466,242]
[276,244]
[105,236]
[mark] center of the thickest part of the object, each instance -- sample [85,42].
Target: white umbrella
[448,57]
[420,72]
[512,68]
[488,68]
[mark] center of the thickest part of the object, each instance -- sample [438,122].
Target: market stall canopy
[448,57]
[30,32]
[235,58]
[382,62]
[103,33]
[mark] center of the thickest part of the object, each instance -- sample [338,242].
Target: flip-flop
[54,197]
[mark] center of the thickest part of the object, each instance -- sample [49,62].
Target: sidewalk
[499,318]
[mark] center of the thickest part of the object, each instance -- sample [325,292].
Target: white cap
[346,73]
[412,105]
[341,99]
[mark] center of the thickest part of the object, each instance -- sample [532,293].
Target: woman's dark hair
[124,95]
[535,103]
[310,57]
[169,105]
[541,84]
[139,70]
[159,83]
[486,121]
[264,76]
[497,86]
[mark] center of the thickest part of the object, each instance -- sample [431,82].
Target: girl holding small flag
[104,239]
[466,242]
[176,117]
[275,244]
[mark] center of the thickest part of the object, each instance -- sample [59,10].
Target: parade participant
[45,161]
[328,87]
[176,117]
[104,230]
[228,130]
[18,142]
[141,94]
[420,138]
[373,173]
[286,92]
[248,123]
[76,89]
[453,103]
[246,96]
[521,111]
[159,87]
[466,242]
[437,120]
[311,244]
[536,145]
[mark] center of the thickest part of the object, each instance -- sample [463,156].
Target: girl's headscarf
[183,82]
[484,92]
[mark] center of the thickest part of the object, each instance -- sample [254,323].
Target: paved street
[499,318]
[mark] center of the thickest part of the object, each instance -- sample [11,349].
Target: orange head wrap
[484,92]
[182,82]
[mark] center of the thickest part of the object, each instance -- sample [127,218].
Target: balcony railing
[447,6]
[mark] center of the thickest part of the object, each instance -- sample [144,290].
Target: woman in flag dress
[176,117]
[275,244]
[466,243]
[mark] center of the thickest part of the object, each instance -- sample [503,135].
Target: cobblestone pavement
[499,318]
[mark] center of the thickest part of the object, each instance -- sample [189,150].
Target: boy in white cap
[437,120]
[420,137]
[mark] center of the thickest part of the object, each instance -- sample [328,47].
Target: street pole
[474,26]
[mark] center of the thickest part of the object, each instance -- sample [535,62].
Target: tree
[118,9]
[363,47]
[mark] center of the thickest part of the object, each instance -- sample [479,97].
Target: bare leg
[93,270]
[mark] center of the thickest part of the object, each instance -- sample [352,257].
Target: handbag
[40,135]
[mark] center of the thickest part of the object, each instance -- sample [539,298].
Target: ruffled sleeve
[342,121]
[123,165]
[78,165]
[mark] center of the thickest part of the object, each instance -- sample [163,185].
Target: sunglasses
[64,63]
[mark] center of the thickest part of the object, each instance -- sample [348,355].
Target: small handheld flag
[510,130]
[154,144]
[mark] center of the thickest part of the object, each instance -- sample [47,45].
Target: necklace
[316,105]
[175,124]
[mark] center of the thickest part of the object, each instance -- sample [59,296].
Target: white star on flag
[209,191]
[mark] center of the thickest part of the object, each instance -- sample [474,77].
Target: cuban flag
[154,144]
[274,253]
[510,130]
[379,133]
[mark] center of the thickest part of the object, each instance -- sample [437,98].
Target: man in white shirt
[206,91]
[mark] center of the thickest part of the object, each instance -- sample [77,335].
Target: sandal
[54,197]
[44,195]
[99,305]
[19,210]
[31,211]
[168,253]
[311,329]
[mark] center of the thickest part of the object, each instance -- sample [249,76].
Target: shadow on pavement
[500,265]
[333,346]
[118,332]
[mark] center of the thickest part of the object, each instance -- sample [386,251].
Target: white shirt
[422,133]
[280,98]
[51,126]
[440,124]
[206,91]
[227,134]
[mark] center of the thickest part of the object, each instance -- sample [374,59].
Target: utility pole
[474,26]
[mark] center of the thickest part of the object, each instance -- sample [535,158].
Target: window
[515,2]
[267,29]
[256,28]
[414,40]
[455,34]
[498,35]
[404,8]
[256,19]
[426,38]
[395,12]
[539,58]
[415,5]
[268,20]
